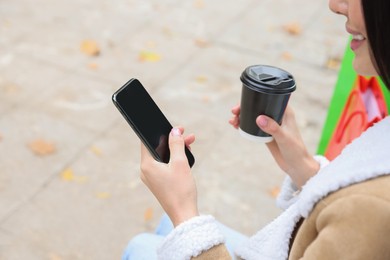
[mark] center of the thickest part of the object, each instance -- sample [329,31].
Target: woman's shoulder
[376,188]
[352,221]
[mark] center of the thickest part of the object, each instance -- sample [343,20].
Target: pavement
[69,163]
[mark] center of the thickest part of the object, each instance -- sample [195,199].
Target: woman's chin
[364,67]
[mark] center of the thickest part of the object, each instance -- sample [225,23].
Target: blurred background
[69,163]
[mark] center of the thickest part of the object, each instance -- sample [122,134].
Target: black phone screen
[146,119]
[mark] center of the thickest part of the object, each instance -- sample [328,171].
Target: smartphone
[146,119]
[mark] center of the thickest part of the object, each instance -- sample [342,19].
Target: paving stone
[85,200]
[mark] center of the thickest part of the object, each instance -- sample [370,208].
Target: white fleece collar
[273,241]
[365,158]
[190,238]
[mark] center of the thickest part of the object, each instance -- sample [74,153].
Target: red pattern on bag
[354,119]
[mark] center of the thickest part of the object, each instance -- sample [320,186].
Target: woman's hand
[287,148]
[172,184]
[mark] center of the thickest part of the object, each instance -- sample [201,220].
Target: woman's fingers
[236,109]
[188,140]
[235,120]
[271,127]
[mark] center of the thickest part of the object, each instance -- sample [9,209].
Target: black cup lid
[268,79]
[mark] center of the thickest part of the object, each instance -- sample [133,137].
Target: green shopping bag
[345,84]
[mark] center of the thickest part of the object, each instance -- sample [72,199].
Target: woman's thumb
[269,126]
[176,144]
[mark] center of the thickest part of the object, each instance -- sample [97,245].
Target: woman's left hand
[172,184]
[287,148]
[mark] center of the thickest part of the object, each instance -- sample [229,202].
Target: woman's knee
[142,246]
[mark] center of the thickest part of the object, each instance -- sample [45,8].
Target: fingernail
[263,121]
[176,132]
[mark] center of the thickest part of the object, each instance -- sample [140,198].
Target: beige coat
[352,223]
[341,213]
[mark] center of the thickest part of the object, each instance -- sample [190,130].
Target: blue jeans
[143,246]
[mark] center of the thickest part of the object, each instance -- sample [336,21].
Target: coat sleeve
[196,237]
[353,227]
[289,193]
[217,252]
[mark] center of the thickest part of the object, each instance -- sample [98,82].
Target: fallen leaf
[148,214]
[333,63]
[149,56]
[201,79]
[287,56]
[7,24]
[93,66]
[12,89]
[67,175]
[274,192]
[201,43]
[293,28]
[53,256]
[42,147]
[199,4]
[96,150]
[90,47]
[103,195]
[206,99]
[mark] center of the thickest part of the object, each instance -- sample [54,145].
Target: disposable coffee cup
[265,91]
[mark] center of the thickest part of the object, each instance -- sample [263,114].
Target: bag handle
[344,121]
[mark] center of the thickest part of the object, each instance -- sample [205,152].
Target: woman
[339,210]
